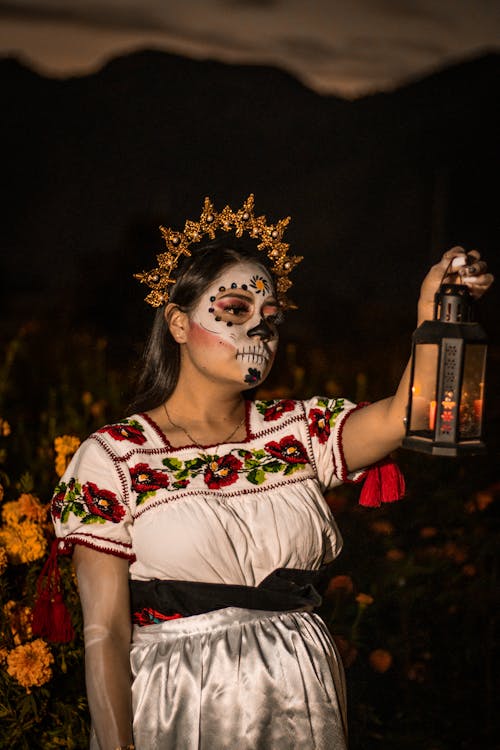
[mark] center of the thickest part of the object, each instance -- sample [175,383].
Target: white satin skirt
[238,679]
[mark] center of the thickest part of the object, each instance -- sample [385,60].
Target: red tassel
[51,619]
[384,483]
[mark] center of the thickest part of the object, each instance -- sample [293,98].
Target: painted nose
[263,330]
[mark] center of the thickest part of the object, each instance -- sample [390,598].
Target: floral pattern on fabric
[147,481]
[126,429]
[89,502]
[286,456]
[221,472]
[275,408]
[321,420]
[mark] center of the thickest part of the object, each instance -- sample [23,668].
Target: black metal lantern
[446,397]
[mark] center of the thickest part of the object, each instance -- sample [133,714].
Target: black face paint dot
[217,318]
[212,299]
[229,323]
[210,309]
[234,285]
[222,289]
[244,286]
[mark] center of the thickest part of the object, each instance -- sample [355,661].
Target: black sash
[284,589]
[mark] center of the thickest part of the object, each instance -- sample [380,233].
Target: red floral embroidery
[319,424]
[146,479]
[102,503]
[222,471]
[124,431]
[59,498]
[288,449]
[275,411]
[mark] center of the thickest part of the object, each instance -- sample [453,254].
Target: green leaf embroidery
[172,463]
[256,476]
[273,466]
[195,463]
[291,468]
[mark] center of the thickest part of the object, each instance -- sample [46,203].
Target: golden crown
[241,221]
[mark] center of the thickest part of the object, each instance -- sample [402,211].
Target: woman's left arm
[371,433]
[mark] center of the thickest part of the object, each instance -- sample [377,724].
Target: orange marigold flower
[428,532]
[87,398]
[382,527]
[4,560]
[364,600]
[23,542]
[30,664]
[65,446]
[26,508]
[483,499]
[20,620]
[380,660]
[4,428]
[469,570]
[4,652]
[394,554]
[340,583]
[455,552]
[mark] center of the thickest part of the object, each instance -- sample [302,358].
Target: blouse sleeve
[325,422]
[90,503]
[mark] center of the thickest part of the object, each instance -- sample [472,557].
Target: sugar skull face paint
[233,326]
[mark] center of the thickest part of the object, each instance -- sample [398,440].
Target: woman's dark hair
[161,359]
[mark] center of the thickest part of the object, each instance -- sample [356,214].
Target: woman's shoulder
[127,434]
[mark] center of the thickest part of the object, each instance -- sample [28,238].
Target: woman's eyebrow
[248,296]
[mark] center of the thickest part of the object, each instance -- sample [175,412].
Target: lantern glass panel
[423,398]
[472,395]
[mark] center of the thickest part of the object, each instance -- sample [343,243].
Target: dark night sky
[376,187]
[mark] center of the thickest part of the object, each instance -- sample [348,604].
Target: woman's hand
[456,266]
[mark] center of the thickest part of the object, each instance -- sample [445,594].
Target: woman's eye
[233,310]
[236,310]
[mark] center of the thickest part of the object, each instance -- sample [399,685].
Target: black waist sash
[284,589]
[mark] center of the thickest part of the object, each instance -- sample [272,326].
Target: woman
[211,505]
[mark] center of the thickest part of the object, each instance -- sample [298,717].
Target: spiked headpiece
[241,221]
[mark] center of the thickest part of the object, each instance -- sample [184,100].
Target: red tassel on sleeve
[384,483]
[51,619]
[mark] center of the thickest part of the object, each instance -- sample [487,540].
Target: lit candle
[432,415]
[478,408]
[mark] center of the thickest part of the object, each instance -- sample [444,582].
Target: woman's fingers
[478,285]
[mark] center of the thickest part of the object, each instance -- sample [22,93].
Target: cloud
[334,47]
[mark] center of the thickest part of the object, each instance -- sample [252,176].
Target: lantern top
[453,304]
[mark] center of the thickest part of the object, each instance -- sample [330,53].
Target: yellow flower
[30,664]
[23,542]
[87,398]
[64,446]
[3,561]
[4,427]
[364,600]
[26,508]
[20,620]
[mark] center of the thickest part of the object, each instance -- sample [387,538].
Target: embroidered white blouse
[230,516]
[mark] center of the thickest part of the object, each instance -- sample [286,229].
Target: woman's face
[232,329]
